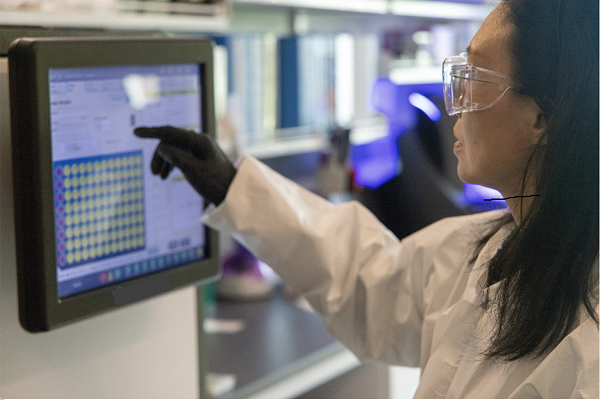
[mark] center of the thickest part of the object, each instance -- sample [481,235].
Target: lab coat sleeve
[352,270]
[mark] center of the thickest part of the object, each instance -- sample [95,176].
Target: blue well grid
[99,207]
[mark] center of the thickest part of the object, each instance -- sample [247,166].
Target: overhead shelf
[152,16]
[134,15]
[285,147]
[408,8]
[360,6]
[441,9]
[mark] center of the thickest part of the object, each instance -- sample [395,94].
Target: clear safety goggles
[469,88]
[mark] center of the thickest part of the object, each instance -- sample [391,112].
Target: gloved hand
[198,156]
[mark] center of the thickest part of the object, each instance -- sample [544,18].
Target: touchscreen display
[115,220]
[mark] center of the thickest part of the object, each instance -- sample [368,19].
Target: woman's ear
[538,124]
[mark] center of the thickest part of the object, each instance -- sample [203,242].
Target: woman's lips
[457,146]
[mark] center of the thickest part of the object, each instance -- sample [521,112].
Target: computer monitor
[95,230]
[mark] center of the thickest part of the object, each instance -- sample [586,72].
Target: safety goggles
[468,88]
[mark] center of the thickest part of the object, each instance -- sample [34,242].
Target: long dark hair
[545,267]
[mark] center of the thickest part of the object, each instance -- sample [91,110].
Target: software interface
[114,219]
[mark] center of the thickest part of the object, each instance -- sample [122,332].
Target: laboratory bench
[281,349]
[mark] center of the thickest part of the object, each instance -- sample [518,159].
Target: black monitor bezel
[30,59]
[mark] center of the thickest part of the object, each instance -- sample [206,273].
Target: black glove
[198,156]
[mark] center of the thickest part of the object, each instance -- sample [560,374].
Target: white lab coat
[412,303]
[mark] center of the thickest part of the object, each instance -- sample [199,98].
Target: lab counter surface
[283,350]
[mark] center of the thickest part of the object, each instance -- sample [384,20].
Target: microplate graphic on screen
[99,207]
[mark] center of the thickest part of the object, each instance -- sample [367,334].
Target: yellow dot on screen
[106,237]
[92,228]
[90,166]
[111,163]
[120,235]
[114,247]
[70,258]
[76,218]
[100,251]
[75,181]
[98,214]
[68,183]
[128,244]
[68,208]
[85,242]
[119,175]
[69,220]
[99,238]
[84,217]
[83,193]
[75,169]
[67,170]
[86,254]
[82,206]
[97,191]
[92,240]
[69,245]
[77,231]
[92,253]
[77,243]
[69,232]
[75,194]
[81,168]
[106,249]
[76,206]
[118,163]
[90,180]
[97,178]
[104,177]
[113,235]
[98,201]
[121,246]
[84,230]
[96,164]
[104,164]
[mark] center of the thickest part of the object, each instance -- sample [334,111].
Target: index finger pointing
[168,134]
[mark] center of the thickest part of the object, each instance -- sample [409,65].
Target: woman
[490,305]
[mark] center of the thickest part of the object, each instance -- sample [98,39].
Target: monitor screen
[94,228]
[114,219]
